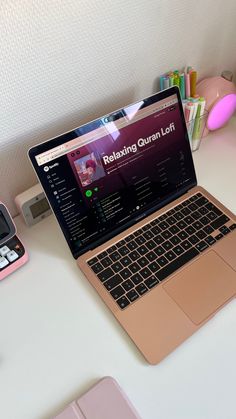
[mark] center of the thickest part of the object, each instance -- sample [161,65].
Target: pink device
[105,400]
[220,96]
[12,252]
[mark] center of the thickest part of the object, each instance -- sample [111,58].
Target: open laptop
[159,249]
[105,400]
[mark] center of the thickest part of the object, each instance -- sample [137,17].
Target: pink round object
[220,100]
[221,112]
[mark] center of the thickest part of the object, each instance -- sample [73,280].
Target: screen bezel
[72,134]
[9,222]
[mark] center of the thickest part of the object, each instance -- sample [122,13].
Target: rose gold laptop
[159,249]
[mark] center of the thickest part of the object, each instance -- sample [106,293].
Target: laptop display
[106,175]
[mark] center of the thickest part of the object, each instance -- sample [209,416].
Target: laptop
[158,248]
[105,400]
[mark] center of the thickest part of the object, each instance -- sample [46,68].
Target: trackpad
[203,287]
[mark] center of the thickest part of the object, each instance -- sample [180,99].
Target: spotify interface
[108,173]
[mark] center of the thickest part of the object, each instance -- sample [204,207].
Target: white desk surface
[57,337]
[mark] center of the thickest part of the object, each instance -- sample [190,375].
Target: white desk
[57,337]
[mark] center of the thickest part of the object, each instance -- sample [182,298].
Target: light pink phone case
[105,400]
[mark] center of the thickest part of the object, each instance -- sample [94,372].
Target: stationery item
[162,78]
[105,400]
[196,129]
[220,97]
[176,80]
[166,83]
[193,82]
[202,103]
[144,234]
[182,86]
[33,205]
[187,85]
[171,78]
[12,252]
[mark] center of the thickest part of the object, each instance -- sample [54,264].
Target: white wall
[65,62]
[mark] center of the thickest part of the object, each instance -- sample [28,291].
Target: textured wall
[65,62]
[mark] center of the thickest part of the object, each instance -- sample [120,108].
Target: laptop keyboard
[140,261]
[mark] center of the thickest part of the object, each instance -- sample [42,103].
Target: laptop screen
[106,175]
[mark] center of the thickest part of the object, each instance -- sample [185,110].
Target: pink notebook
[105,400]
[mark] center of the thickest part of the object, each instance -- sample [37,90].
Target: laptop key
[186,245]
[117,292]
[223,219]
[97,267]
[128,285]
[158,239]
[167,245]
[190,230]
[134,255]
[174,229]
[159,250]
[92,261]
[123,250]
[232,227]
[175,240]
[225,230]
[151,244]
[123,302]
[136,278]
[125,261]
[134,267]
[106,274]
[163,225]
[170,255]
[155,230]
[111,249]
[120,244]
[154,267]
[102,255]
[148,235]
[212,207]
[151,281]
[197,225]
[113,282]
[201,234]
[219,236]
[145,273]
[183,235]
[181,224]
[202,246]
[196,215]
[162,261]
[210,240]
[115,256]
[106,262]
[142,250]
[143,262]
[205,220]
[193,239]
[208,229]
[125,273]
[212,215]
[178,250]
[166,234]
[140,240]
[132,295]
[141,289]
[132,245]
[177,263]
[151,256]
[116,267]
[189,220]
